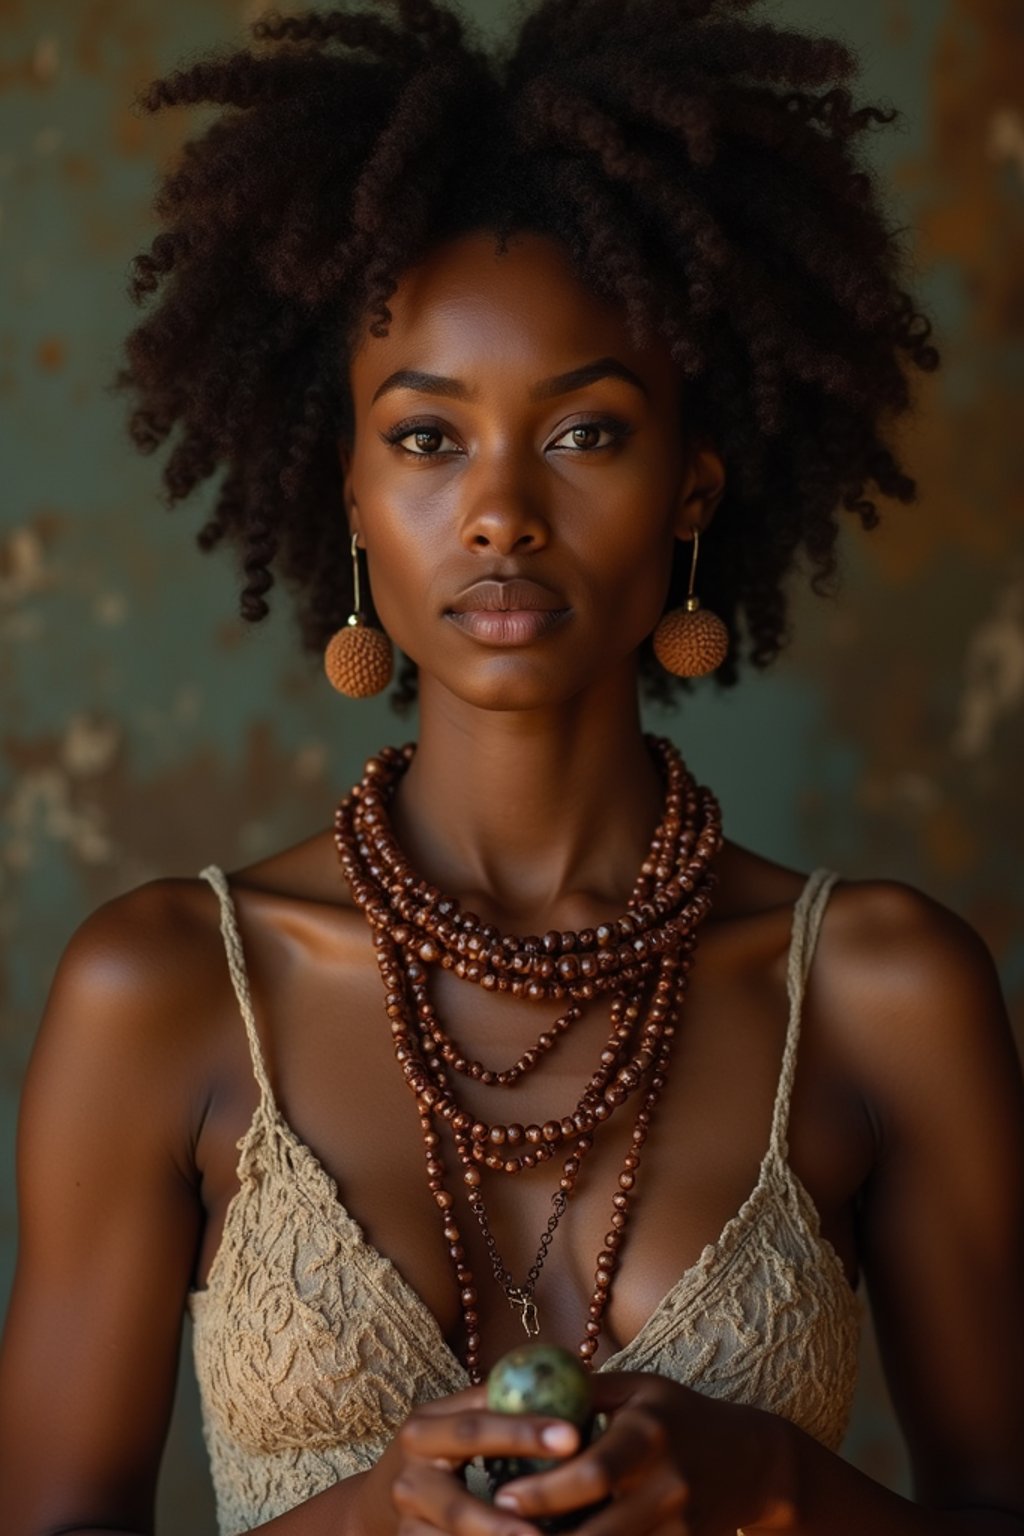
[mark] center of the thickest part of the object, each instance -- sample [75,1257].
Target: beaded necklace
[642,959]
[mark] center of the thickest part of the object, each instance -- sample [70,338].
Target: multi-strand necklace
[641,958]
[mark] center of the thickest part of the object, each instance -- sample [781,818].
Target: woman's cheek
[407,595]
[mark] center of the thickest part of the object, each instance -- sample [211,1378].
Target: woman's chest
[330,1052]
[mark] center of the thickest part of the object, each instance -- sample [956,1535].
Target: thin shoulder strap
[239,977]
[807,915]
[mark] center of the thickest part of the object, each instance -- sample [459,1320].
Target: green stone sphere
[541,1378]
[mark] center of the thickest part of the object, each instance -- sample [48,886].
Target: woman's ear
[347,497]
[702,489]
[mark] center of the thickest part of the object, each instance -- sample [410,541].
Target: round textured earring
[691,641]
[358,658]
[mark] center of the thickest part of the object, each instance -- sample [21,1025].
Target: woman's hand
[416,1488]
[672,1461]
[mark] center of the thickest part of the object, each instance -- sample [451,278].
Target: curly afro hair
[700,168]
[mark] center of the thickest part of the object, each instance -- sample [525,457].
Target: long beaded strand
[649,947]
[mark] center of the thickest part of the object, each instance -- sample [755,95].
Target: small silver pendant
[523,1299]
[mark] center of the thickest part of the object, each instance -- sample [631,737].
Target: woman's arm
[942,1220]
[109,1223]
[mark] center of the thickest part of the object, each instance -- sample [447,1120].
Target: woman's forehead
[469,306]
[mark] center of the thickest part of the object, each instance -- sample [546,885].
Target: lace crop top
[311,1348]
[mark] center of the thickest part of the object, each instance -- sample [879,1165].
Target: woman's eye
[427,440]
[584,430]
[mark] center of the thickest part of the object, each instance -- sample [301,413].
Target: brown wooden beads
[642,959]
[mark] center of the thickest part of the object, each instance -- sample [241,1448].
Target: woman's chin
[514,682]
[510,693]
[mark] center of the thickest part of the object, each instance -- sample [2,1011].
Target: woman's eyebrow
[440,384]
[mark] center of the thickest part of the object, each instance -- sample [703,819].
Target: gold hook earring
[358,659]
[691,641]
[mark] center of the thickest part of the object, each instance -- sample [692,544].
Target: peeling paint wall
[145,731]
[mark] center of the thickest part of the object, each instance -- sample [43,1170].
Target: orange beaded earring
[358,658]
[691,641]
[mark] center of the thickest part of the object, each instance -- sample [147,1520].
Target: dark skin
[531,798]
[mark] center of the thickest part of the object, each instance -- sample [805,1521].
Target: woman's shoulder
[913,1008]
[890,958]
[134,1036]
[898,952]
[150,962]
[902,1009]
[917,1002]
[142,983]
[878,917]
[164,936]
[151,938]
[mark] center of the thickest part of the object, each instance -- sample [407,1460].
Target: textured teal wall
[144,731]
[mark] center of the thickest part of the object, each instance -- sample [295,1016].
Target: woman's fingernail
[507,1501]
[559,1437]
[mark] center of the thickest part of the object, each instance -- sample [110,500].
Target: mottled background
[144,731]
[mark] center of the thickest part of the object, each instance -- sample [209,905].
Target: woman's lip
[509,594]
[514,626]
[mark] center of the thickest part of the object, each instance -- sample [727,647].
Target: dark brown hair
[699,166]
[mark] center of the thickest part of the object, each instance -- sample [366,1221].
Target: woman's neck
[531,816]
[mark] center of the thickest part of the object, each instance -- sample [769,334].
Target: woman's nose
[505,522]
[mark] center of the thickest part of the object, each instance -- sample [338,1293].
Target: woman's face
[518,475]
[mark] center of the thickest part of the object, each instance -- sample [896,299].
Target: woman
[553,339]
